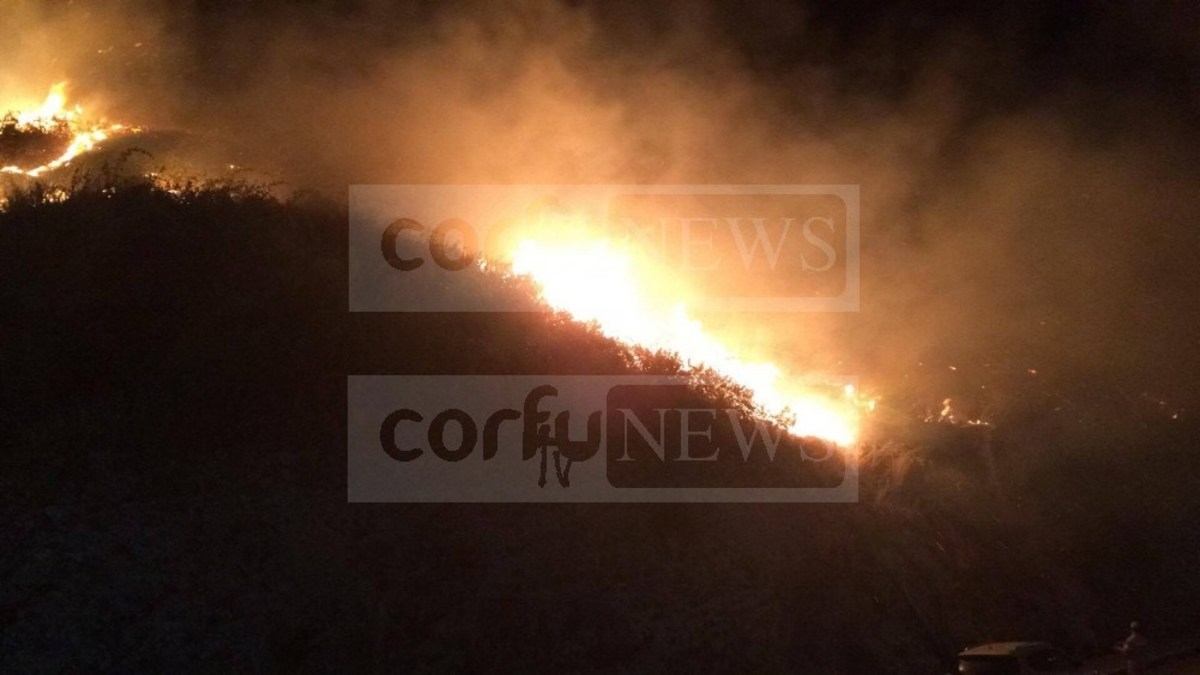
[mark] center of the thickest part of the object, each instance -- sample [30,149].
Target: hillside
[174,481]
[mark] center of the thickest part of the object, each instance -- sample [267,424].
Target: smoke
[1027,172]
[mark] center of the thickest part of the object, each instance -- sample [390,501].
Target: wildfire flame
[49,118]
[596,279]
[593,279]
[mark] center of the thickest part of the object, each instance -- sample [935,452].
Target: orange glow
[53,112]
[632,300]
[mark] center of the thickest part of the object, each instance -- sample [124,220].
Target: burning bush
[25,146]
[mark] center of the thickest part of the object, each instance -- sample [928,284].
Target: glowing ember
[950,416]
[52,118]
[601,281]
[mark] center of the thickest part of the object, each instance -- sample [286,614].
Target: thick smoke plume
[1028,175]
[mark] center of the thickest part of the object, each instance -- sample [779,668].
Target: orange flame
[632,300]
[53,112]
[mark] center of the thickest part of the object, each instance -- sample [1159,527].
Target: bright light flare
[606,282]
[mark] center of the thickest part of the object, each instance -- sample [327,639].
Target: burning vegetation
[36,142]
[607,283]
[32,146]
[176,390]
[591,278]
[194,355]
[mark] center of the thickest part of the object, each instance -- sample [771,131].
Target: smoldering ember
[548,336]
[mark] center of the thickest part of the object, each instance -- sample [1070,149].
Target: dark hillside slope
[174,490]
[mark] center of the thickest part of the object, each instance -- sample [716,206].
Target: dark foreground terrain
[173,481]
